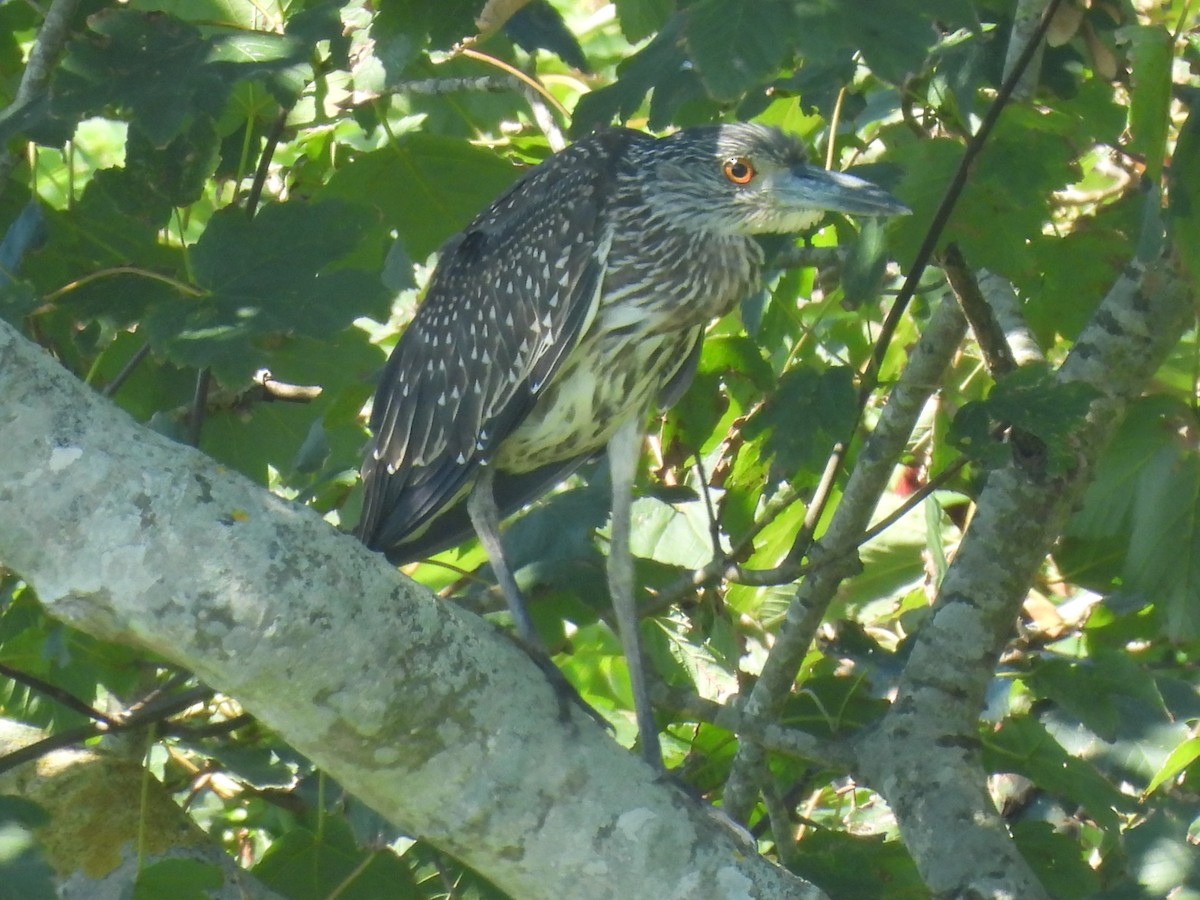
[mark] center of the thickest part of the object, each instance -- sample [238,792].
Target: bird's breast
[607,379]
[644,329]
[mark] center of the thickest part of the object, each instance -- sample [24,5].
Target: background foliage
[213,190]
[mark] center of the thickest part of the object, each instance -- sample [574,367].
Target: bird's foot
[566,692]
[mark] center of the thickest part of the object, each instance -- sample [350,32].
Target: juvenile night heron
[559,318]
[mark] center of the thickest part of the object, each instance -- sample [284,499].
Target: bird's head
[744,178]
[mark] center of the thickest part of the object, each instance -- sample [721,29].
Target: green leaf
[1181,758]
[1032,402]
[896,36]
[1057,859]
[736,45]
[176,173]
[641,18]
[1023,745]
[1012,181]
[1088,689]
[661,66]
[1139,524]
[810,410]
[276,274]
[113,223]
[1073,273]
[865,264]
[442,23]
[866,867]
[1162,854]
[1030,399]
[309,865]
[676,534]
[180,879]
[227,12]
[160,72]
[539,26]
[426,187]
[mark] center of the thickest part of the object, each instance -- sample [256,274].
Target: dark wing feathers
[508,301]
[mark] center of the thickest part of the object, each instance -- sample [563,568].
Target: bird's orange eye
[739,170]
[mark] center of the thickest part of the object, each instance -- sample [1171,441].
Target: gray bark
[923,757]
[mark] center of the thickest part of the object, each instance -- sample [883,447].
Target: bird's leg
[485,517]
[623,452]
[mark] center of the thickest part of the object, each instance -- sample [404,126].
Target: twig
[56,693]
[199,407]
[974,147]
[496,84]
[126,370]
[49,44]
[997,355]
[148,714]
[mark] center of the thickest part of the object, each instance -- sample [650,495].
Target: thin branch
[60,695]
[34,80]
[199,407]
[528,81]
[997,355]
[126,370]
[829,557]
[795,256]
[493,84]
[147,715]
[268,388]
[1002,299]
[274,136]
[941,217]
[732,717]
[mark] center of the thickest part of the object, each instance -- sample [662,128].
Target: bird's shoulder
[566,192]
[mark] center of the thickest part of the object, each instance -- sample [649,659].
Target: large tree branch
[924,756]
[422,710]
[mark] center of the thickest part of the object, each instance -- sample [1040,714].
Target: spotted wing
[508,301]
